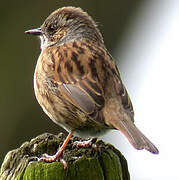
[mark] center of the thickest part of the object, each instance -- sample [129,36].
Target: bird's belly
[87,132]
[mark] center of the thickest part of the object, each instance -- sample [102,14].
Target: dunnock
[77,83]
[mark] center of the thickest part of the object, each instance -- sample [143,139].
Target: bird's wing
[76,76]
[126,101]
[120,89]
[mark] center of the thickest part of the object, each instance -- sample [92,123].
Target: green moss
[111,165]
[44,171]
[85,169]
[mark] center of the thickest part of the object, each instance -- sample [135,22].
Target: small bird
[77,82]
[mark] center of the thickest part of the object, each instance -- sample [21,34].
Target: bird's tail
[135,136]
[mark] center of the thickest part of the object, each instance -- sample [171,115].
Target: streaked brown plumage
[77,82]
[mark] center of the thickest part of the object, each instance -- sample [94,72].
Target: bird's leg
[59,153]
[87,143]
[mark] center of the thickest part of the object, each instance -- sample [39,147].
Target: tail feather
[135,136]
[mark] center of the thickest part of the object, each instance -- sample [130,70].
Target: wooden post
[101,163]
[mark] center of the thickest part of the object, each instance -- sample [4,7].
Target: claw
[65,165]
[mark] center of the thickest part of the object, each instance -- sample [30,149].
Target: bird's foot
[58,156]
[48,158]
[86,144]
[53,158]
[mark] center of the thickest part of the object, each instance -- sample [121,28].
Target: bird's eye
[52,28]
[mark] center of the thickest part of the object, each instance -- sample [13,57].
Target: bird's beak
[37,31]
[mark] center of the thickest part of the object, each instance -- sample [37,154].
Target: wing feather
[75,78]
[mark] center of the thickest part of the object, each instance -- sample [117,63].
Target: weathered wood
[101,163]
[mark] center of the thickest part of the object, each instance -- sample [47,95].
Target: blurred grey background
[136,33]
